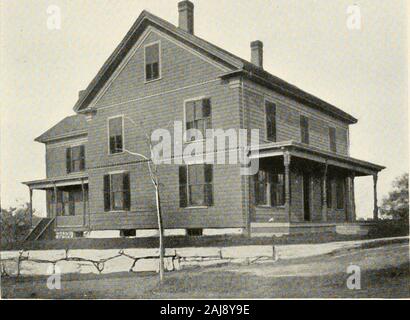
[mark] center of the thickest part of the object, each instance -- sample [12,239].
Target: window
[340,194]
[270,109]
[332,139]
[197,116]
[269,189]
[304,129]
[115,132]
[117,192]
[65,203]
[152,62]
[195,185]
[329,189]
[75,159]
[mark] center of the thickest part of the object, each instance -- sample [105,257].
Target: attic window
[152,62]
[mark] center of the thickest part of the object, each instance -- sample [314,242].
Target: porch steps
[40,229]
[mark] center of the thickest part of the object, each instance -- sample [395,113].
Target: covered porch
[67,201]
[306,190]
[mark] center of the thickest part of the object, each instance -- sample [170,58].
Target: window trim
[265,100]
[108,135]
[159,62]
[184,130]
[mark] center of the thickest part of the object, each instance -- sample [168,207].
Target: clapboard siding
[288,114]
[152,106]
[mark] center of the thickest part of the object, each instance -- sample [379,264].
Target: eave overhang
[293,92]
[299,150]
[49,183]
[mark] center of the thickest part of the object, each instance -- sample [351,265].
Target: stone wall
[46,262]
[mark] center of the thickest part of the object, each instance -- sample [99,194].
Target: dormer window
[152,62]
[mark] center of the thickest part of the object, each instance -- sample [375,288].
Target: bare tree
[154,176]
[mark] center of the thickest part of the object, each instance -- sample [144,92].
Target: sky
[306,42]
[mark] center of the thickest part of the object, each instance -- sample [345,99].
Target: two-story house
[160,74]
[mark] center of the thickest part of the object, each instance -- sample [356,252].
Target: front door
[306,197]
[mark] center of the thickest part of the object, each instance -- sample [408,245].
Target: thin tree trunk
[161,233]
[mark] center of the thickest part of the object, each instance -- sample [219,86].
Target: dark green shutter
[68,159]
[126,191]
[107,198]
[183,196]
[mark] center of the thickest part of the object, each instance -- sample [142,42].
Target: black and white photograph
[204,150]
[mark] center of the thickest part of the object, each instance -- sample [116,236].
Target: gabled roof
[237,65]
[68,127]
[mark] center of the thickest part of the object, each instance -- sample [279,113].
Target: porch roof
[48,183]
[299,150]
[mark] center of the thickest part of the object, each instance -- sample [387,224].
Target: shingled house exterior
[161,73]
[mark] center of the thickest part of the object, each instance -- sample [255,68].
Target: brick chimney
[186,16]
[257,53]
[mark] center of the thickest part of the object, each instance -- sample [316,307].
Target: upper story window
[304,129]
[197,116]
[269,189]
[270,111]
[152,62]
[117,192]
[75,159]
[332,139]
[116,135]
[195,185]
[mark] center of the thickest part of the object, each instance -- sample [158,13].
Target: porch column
[84,203]
[286,163]
[376,208]
[55,201]
[324,194]
[352,198]
[31,207]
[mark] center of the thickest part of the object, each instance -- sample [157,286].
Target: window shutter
[82,157]
[126,190]
[209,199]
[183,196]
[68,159]
[206,108]
[107,199]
